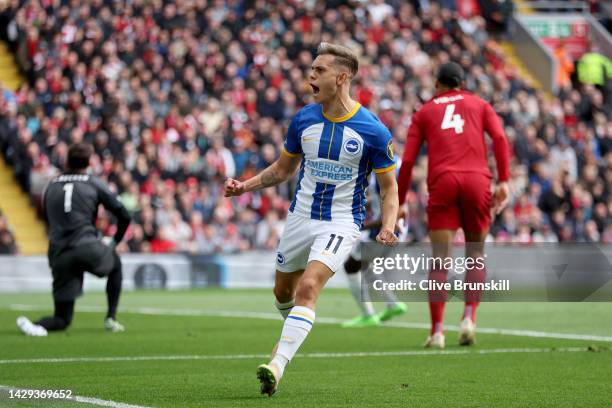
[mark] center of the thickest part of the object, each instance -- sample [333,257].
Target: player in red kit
[453,125]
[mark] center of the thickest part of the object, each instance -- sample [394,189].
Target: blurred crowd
[177,96]
[7,239]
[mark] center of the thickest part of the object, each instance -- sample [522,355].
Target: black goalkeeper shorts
[68,268]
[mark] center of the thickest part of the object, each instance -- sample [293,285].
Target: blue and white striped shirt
[338,156]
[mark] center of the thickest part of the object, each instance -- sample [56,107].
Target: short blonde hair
[344,56]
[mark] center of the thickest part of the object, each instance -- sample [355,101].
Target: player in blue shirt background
[355,265]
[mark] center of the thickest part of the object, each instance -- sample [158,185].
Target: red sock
[472,297]
[437,301]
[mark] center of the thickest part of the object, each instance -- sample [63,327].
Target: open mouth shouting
[315,89]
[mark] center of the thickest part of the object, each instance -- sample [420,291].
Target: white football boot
[112,325]
[435,341]
[467,332]
[269,376]
[30,329]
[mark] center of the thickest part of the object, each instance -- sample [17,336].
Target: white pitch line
[328,320]
[81,399]
[133,358]
[105,403]
[306,355]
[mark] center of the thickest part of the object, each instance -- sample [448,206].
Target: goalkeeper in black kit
[71,203]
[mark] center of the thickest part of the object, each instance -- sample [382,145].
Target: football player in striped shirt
[335,144]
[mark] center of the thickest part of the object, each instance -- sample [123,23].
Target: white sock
[389,295]
[296,328]
[362,299]
[391,298]
[285,308]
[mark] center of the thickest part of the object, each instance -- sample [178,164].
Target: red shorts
[460,200]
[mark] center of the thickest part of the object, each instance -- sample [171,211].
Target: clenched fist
[233,187]
[386,237]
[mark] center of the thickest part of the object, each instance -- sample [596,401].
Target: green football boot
[390,312]
[362,321]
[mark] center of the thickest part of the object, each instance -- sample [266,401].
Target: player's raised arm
[492,125]
[281,170]
[383,160]
[411,151]
[389,206]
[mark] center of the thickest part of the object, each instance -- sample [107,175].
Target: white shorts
[306,240]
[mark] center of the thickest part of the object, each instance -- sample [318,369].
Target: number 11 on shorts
[332,237]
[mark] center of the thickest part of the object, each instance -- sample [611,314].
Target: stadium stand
[178,96]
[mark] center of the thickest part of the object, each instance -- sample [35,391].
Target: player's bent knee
[307,290]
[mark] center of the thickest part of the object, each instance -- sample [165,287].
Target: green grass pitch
[200,349]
